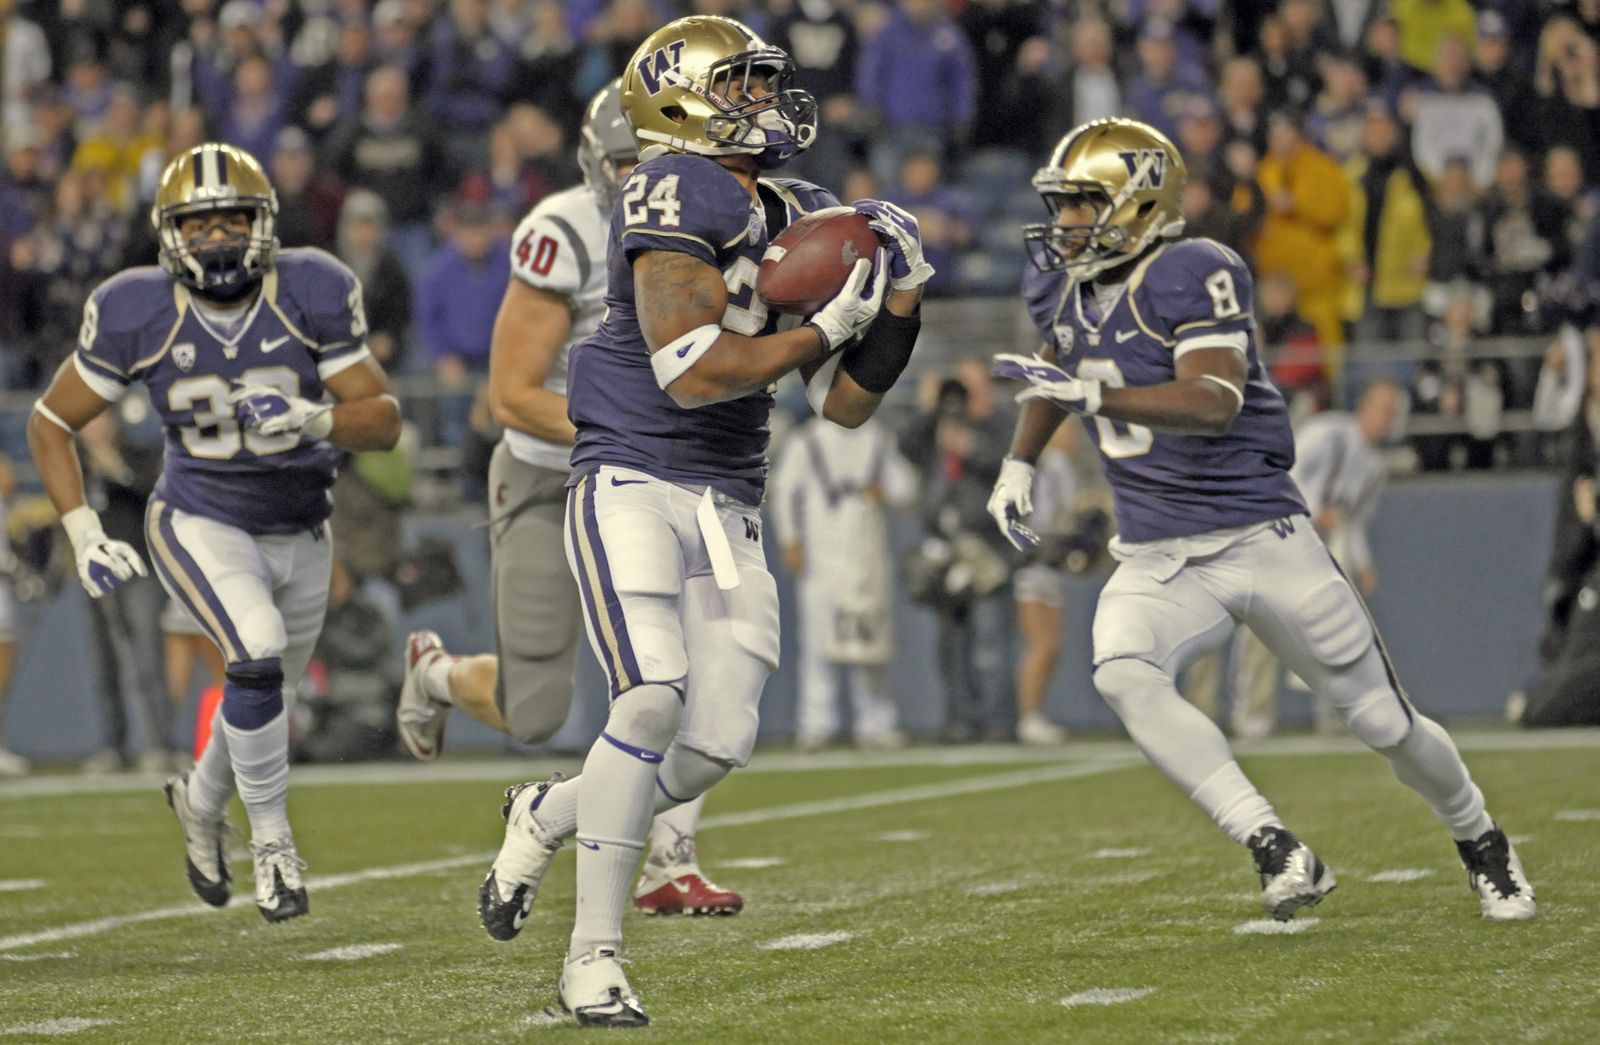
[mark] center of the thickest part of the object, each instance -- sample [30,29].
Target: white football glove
[1012,501]
[908,269]
[854,308]
[104,565]
[1045,380]
[263,409]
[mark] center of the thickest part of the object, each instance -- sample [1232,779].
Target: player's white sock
[261,767]
[672,834]
[615,806]
[211,782]
[1235,804]
[1182,742]
[1428,763]
[436,678]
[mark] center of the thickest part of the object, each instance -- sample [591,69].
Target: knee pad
[1336,626]
[686,774]
[1379,720]
[1123,680]
[533,698]
[644,720]
[253,694]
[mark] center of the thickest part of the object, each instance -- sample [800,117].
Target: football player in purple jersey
[670,400]
[257,363]
[1149,339]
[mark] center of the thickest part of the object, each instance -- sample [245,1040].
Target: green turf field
[1073,897]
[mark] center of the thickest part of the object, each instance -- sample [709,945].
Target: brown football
[808,262]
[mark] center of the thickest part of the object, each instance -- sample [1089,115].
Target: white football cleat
[1037,731]
[1291,875]
[1495,873]
[508,891]
[594,990]
[421,719]
[13,764]
[280,891]
[206,845]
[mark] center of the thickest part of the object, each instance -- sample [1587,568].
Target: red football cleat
[683,890]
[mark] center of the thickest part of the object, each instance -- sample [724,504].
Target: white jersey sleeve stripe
[579,251]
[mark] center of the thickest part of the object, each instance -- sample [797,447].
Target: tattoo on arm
[676,293]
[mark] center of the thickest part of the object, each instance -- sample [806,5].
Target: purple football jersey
[692,205]
[1191,294]
[306,325]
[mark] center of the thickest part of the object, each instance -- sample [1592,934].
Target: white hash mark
[37,957]
[54,1028]
[17,885]
[1269,927]
[1408,874]
[994,888]
[1106,996]
[1118,854]
[352,952]
[901,836]
[752,863]
[806,941]
[1578,814]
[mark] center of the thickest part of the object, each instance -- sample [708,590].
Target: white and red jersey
[560,248]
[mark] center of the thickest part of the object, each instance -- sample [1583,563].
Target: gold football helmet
[605,143]
[216,177]
[708,85]
[1132,176]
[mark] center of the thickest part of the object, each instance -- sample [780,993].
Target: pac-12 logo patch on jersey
[1147,168]
[653,66]
[183,355]
[1064,338]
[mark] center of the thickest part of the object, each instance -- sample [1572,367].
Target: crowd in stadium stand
[1410,170]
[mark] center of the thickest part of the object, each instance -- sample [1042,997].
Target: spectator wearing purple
[254,115]
[916,74]
[459,297]
[394,39]
[395,153]
[240,31]
[328,94]
[467,69]
[1158,90]
[944,217]
[1193,23]
[1452,116]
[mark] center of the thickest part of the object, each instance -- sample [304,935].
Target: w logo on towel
[1283,528]
[752,530]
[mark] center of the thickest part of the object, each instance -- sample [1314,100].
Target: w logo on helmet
[653,65]
[1147,168]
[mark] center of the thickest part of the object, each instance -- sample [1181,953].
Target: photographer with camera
[962,568]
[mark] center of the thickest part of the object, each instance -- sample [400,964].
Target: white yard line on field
[768,814]
[503,770]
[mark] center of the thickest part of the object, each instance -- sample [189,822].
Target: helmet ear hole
[674,113]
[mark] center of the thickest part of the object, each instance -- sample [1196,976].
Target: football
[808,262]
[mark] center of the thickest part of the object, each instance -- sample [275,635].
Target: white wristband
[1091,395]
[83,527]
[674,358]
